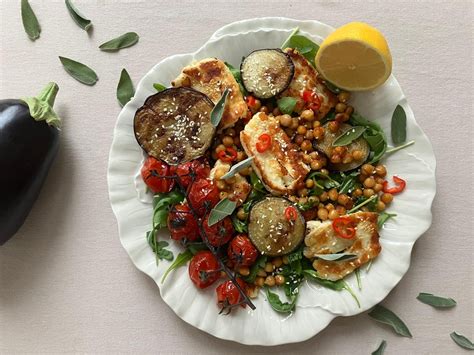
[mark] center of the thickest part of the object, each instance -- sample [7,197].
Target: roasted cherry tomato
[203,195]
[154,173]
[182,224]
[204,269]
[344,227]
[228,294]
[250,100]
[219,233]
[401,184]
[241,251]
[264,143]
[197,169]
[227,155]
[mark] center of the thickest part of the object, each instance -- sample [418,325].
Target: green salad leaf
[278,305]
[181,260]
[374,135]
[287,104]
[302,44]
[237,76]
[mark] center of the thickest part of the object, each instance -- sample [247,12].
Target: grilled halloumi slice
[281,167]
[307,78]
[237,186]
[322,239]
[211,77]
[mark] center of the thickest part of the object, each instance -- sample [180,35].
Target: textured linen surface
[66,284]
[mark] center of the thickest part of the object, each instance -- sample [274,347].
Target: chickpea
[306,145]
[369,182]
[341,210]
[294,123]
[386,198]
[220,172]
[303,192]
[309,183]
[318,132]
[261,273]
[231,180]
[380,170]
[357,192]
[221,185]
[314,155]
[285,260]
[365,209]
[368,192]
[343,199]
[308,125]
[299,139]
[270,281]
[301,130]
[306,158]
[292,198]
[259,281]
[333,126]
[252,291]
[347,159]
[333,215]
[220,148]
[257,105]
[341,117]
[307,115]
[329,207]
[316,165]
[357,154]
[344,96]
[378,187]
[279,280]
[268,267]
[230,132]
[336,159]
[341,107]
[264,109]
[244,271]
[362,177]
[325,172]
[349,110]
[290,132]
[246,172]
[277,261]
[316,124]
[380,206]
[333,195]
[276,111]
[309,135]
[379,180]
[240,156]
[241,214]
[323,197]
[367,169]
[285,120]
[322,214]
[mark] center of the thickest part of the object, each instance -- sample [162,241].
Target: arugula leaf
[159,247]
[181,260]
[384,217]
[278,305]
[386,316]
[374,135]
[218,110]
[348,183]
[237,76]
[436,301]
[287,104]
[239,226]
[161,205]
[223,209]
[359,281]
[196,247]
[259,263]
[370,202]
[302,44]
[462,341]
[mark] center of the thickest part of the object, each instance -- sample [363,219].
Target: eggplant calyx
[41,107]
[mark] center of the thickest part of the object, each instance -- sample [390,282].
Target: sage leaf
[349,136]
[380,350]
[384,217]
[278,305]
[181,260]
[218,110]
[399,125]
[302,44]
[462,341]
[30,22]
[237,167]
[79,71]
[386,316]
[80,19]
[287,104]
[125,90]
[126,40]
[336,257]
[223,209]
[436,301]
[159,87]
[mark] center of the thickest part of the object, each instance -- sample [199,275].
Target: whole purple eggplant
[29,141]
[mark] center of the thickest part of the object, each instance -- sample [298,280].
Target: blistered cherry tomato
[228,294]
[203,195]
[204,269]
[198,168]
[182,224]
[154,173]
[241,251]
[219,233]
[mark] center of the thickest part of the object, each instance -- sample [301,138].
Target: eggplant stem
[48,94]
[41,107]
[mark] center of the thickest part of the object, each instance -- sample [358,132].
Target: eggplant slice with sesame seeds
[270,230]
[174,125]
[325,146]
[267,72]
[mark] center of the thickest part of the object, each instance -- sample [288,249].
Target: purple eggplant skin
[27,150]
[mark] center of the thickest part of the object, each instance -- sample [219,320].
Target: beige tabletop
[66,283]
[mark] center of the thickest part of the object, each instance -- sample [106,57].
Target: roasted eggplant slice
[325,146]
[267,72]
[174,125]
[273,229]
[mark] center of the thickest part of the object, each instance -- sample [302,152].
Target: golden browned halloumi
[280,168]
[322,239]
[211,77]
[307,78]
[237,186]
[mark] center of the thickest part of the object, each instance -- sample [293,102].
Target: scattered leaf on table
[30,22]
[125,90]
[386,316]
[462,341]
[79,71]
[126,40]
[436,301]
[380,350]
[79,18]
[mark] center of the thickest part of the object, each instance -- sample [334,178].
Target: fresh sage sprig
[349,136]
[384,217]
[79,18]
[238,167]
[436,301]
[79,71]
[336,257]
[386,316]
[159,87]
[399,125]
[287,104]
[380,350]
[462,341]
[125,90]
[218,110]
[126,40]
[223,209]
[181,260]
[30,22]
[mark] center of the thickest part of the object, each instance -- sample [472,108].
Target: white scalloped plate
[317,306]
